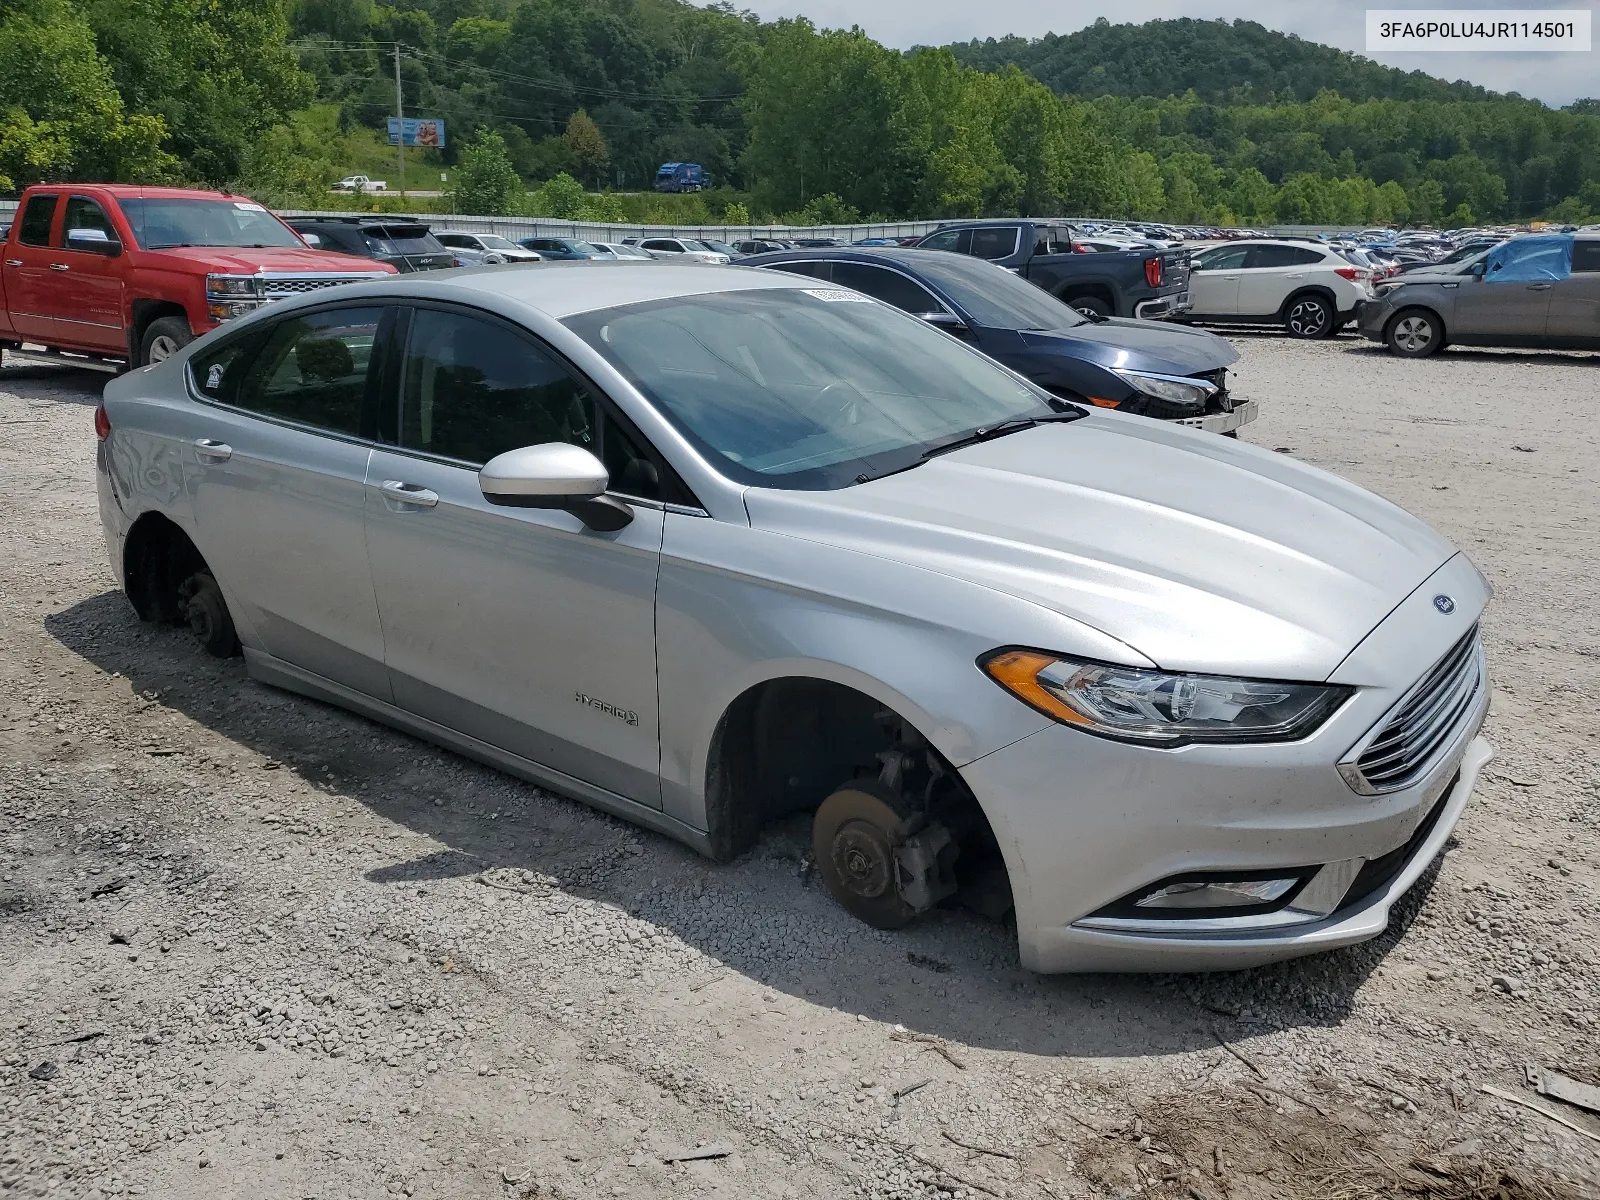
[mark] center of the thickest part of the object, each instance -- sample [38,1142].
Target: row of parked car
[111,275]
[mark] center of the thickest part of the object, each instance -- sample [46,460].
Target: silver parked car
[484,249]
[709,546]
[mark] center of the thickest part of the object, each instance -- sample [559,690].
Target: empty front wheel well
[1089,291]
[787,744]
[156,559]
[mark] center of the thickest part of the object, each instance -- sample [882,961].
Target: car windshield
[163,222]
[582,248]
[805,388]
[401,239]
[719,247]
[993,297]
[491,241]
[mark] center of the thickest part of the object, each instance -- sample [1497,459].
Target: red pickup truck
[114,274]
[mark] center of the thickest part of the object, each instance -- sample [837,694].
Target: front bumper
[1085,822]
[1243,413]
[1371,316]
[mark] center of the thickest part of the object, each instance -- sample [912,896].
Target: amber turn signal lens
[1102,402]
[1018,672]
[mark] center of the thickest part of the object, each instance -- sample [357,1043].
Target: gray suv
[706,547]
[1538,291]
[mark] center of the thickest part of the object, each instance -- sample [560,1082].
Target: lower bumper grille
[1380,872]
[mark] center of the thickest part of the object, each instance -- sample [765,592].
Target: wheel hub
[162,348]
[864,858]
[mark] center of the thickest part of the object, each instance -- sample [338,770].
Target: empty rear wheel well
[785,745]
[156,558]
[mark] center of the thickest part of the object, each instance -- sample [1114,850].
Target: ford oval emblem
[1444,604]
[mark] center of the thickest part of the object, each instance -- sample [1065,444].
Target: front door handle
[210,450]
[1538,287]
[13,262]
[414,495]
[59,267]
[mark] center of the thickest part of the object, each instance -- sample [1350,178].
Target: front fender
[737,606]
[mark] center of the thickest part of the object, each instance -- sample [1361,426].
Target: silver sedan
[707,546]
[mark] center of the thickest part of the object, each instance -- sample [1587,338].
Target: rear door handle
[1538,287]
[59,267]
[210,450]
[414,495]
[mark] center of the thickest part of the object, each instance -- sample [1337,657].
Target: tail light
[1080,248]
[1152,272]
[458,262]
[1352,273]
[102,423]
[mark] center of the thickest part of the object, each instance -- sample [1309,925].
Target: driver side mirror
[93,241]
[1479,270]
[554,475]
[311,240]
[949,322]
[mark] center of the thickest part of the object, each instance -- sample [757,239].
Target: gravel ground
[253,946]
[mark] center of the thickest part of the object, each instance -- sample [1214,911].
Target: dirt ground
[252,946]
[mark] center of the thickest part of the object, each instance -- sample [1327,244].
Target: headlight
[1173,388]
[1158,707]
[231,285]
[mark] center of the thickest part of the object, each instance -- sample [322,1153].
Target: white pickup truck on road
[360,183]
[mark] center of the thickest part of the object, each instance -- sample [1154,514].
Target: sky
[1555,78]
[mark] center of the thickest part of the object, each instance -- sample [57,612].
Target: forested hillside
[563,106]
[1222,63]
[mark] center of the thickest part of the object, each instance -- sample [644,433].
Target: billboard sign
[417,131]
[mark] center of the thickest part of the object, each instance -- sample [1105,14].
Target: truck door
[28,277]
[86,302]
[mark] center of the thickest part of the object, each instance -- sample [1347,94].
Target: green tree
[60,113]
[562,197]
[218,73]
[485,181]
[586,145]
[736,214]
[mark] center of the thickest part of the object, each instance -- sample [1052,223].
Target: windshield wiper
[1000,429]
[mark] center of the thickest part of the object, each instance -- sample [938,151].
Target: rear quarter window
[34,228]
[1586,256]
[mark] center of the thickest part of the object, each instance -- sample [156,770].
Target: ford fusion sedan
[1151,368]
[709,547]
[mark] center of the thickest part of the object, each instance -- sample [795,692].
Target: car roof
[562,289]
[134,191]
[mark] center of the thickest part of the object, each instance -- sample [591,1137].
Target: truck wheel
[164,337]
[1414,333]
[1091,306]
[1309,317]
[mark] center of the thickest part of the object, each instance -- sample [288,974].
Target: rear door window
[1264,257]
[995,241]
[889,286]
[1586,256]
[312,370]
[34,229]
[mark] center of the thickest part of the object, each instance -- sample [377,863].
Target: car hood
[1139,346]
[1199,552]
[242,260]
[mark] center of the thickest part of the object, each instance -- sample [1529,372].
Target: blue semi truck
[681,177]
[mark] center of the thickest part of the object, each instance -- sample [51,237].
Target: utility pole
[400,118]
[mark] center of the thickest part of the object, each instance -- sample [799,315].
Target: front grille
[278,286]
[1425,720]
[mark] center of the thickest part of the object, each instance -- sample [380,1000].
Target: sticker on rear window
[837,296]
[214,376]
[248,206]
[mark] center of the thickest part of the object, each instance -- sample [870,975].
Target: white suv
[1311,290]
[682,249]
